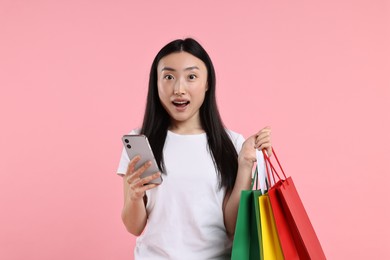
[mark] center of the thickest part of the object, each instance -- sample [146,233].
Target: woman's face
[182,85]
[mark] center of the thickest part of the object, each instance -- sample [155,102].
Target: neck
[186,128]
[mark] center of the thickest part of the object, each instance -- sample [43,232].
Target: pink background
[73,77]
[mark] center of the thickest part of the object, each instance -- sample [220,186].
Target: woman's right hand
[134,214]
[134,184]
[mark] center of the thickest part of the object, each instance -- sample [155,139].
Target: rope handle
[254,179]
[273,170]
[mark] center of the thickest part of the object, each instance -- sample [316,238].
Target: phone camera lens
[128,146]
[127,141]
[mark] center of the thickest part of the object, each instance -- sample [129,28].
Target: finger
[266,129]
[141,185]
[150,178]
[266,146]
[136,175]
[131,165]
[263,140]
[146,180]
[263,137]
[262,134]
[148,187]
[269,150]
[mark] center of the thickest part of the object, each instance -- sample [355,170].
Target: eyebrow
[172,69]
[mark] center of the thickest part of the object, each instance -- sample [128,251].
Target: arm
[246,160]
[134,214]
[231,200]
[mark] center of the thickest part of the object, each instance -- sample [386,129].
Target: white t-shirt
[185,217]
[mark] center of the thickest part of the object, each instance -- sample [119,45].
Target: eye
[192,76]
[168,77]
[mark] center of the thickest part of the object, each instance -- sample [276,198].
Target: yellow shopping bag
[270,240]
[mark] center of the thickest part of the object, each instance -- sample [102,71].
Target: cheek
[203,89]
[164,89]
[162,96]
[160,90]
[200,94]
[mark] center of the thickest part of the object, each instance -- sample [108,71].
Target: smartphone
[139,145]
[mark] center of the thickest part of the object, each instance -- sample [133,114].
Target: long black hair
[157,121]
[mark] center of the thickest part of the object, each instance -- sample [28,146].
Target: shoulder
[237,138]
[135,131]
[233,135]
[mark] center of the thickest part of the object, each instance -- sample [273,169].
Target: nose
[180,87]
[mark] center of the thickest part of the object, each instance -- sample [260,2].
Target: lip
[180,100]
[180,104]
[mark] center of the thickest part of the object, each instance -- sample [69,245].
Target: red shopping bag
[296,233]
[285,234]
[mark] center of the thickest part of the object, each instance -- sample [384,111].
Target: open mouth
[180,103]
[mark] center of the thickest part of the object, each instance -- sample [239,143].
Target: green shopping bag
[247,237]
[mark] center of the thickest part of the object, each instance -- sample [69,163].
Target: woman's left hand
[260,141]
[263,140]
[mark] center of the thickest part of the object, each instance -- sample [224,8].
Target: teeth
[180,102]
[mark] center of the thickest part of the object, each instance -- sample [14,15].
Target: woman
[192,214]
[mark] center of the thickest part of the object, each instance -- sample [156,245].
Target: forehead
[181,61]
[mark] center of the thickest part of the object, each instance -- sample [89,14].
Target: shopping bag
[286,203]
[284,232]
[270,240]
[247,236]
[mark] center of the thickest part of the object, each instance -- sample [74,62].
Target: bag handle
[259,175]
[267,169]
[260,167]
[265,166]
[273,170]
[254,179]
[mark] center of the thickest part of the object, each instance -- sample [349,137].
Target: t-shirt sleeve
[123,163]
[124,160]
[237,140]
